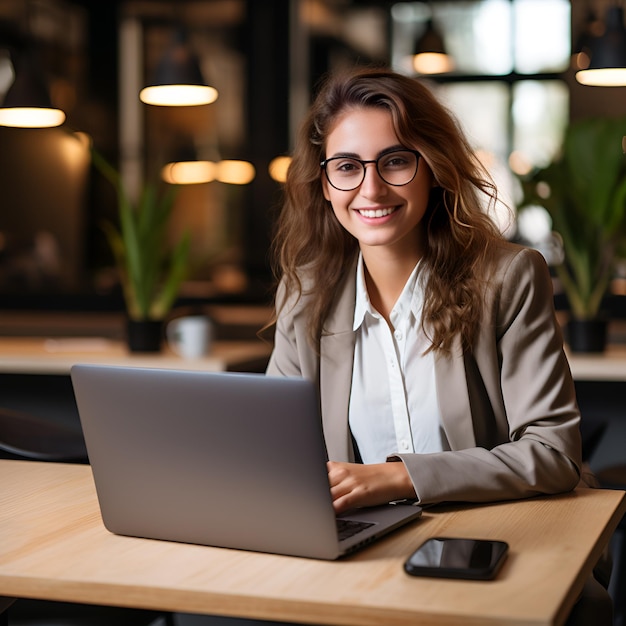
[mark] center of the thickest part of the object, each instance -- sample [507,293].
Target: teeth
[376,212]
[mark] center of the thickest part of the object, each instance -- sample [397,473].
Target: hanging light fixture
[27,102]
[430,56]
[178,79]
[607,54]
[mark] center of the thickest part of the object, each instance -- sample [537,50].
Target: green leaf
[175,275]
[587,204]
[150,275]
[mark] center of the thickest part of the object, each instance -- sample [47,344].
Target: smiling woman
[400,298]
[432,340]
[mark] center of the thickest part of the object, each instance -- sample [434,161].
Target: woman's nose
[373,185]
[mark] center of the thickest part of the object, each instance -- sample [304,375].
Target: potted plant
[150,272]
[584,192]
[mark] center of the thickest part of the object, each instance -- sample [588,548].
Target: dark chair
[32,438]
[43,613]
[5,603]
[29,437]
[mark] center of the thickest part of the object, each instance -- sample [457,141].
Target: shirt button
[398,335]
[404,445]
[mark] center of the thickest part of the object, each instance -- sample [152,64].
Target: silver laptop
[222,459]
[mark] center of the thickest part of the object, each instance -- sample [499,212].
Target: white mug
[190,337]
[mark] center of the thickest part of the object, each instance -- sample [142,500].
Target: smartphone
[447,557]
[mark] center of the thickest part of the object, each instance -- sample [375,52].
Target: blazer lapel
[336,360]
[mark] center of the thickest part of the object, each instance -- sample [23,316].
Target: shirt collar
[411,298]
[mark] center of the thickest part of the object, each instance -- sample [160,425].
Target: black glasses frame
[363,162]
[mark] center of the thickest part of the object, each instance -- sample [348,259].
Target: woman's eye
[347,167]
[395,162]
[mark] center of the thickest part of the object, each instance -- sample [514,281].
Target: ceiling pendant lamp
[178,79]
[607,54]
[430,56]
[27,102]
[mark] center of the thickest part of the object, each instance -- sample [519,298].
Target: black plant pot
[587,335]
[144,335]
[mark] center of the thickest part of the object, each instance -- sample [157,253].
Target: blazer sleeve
[522,400]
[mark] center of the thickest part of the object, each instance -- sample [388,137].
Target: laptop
[235,460]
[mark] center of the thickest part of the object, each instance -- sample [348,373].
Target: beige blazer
[508,409]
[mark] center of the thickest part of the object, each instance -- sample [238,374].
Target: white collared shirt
[393,399]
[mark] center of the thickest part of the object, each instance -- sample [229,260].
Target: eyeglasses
[396,168]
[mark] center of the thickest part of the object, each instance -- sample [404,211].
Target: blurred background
[510,79]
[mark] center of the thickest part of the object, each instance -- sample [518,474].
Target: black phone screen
[476,559]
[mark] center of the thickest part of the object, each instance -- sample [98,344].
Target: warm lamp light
[198,172]
[602,77]
[189,172]
[607,54]
[178,78]
[27,102]
[278,168]
[235,172]
[432,63]
[178,95]
[31,117]
[430,54]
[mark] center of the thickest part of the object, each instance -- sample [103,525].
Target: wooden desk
[32,355]
[53,546]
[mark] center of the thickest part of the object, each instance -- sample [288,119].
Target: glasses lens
[397,168]
[344,173]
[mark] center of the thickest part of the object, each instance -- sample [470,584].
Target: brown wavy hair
[459,234]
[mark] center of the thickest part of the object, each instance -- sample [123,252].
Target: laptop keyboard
[347,528]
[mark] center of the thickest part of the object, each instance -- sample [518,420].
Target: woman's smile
[376,213]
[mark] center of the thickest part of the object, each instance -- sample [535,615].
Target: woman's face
[377,213]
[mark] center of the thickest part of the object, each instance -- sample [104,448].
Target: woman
[433,340]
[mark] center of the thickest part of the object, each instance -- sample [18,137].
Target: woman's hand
[355,485]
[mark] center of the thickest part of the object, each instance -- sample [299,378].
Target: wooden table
[55,355]
[53,546]
[33,355]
